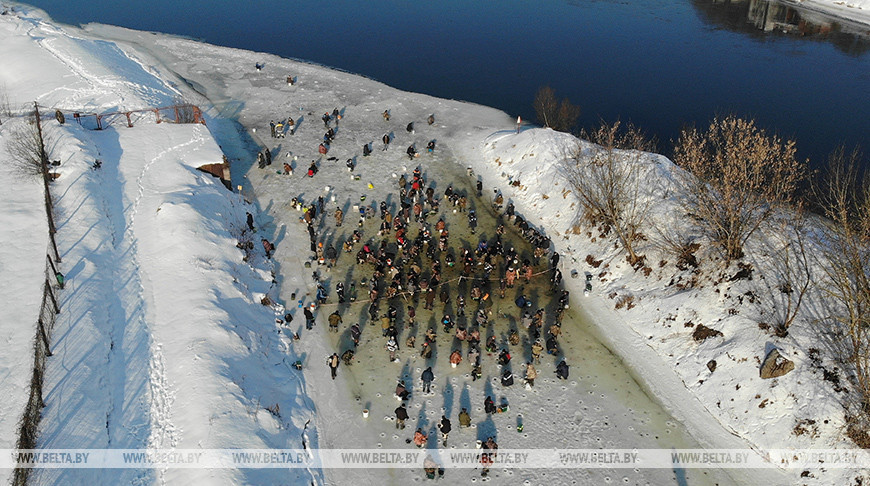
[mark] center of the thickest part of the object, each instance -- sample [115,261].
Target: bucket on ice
[365,413]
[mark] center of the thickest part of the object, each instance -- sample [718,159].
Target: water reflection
[762,18]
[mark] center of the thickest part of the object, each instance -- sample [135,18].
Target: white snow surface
[856,10]
[162,341]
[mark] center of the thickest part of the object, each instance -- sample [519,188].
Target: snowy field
[163,341]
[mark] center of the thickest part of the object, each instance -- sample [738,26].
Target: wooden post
[129,122]
[53,268]
[176,113]
[157,114]
[44,337]
[54,247]
[51,295]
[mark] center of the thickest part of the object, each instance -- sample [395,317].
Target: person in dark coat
[489,405]
[250,221]
[552,347]
[427,378]
[355,333]
[507,378]
[412,152]
[333,361]
[562,370]
[445,428]
[401,416]
[410,127]
[309,318]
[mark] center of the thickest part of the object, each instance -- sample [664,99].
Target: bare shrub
[5,104]
[791,265]
[844,196]
[29,148]
[607,185]
[626,137]
[736,176]
[552,113]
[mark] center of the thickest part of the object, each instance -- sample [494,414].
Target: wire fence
[180,113]
[48,310]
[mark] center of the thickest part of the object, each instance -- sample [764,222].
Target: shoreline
[673,395]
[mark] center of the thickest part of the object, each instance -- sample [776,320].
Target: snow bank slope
[60,68]
[162,340]
[798,410]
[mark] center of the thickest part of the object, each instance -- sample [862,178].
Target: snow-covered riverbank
[854,10]
[161,341]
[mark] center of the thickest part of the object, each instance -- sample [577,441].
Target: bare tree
[844,196]
[29,148]
[607,184]
[546,106]
[551,113]
[736,176]
[5,104]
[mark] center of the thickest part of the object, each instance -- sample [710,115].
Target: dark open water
[658,63]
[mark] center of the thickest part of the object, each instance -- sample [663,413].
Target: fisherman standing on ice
[333,362]
[355,333]
[401,416]
[386,140]
[427,378]
[445,428]
[309,318]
